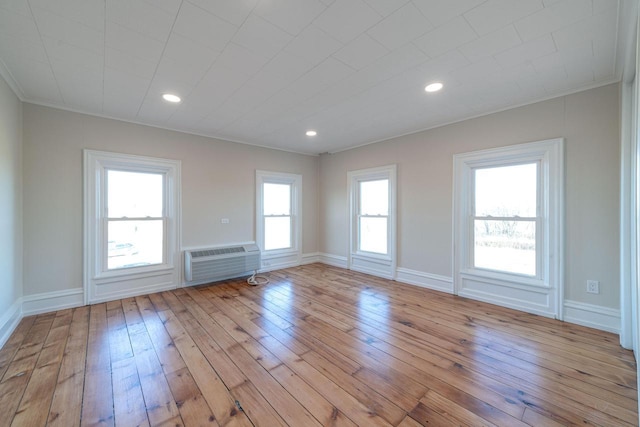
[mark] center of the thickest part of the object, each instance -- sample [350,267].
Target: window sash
[537,245]
[106,239]
[538,220]
[360,234]
[107,220]
[359,216]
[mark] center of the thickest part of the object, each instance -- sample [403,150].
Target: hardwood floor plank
[159,401]
[201,328]
[11,347]
[213,389]
[36,400]
[314,402]
[443,405]
[97,402]
[318,345]
[392,410]
[256,406]
[128,403]
[66,405]
[19,370]
[166,351]
[193,408]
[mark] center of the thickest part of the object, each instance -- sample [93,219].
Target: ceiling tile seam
[243,115]
[155,71]
[420,12]
[337,59]
[214,61]
[216,15]
[46,52]
[302,30]
[308,71]
[342,102]
[510,107]
[6,74]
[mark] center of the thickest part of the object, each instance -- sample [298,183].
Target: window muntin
[373,216]
[506,219]
[135,220]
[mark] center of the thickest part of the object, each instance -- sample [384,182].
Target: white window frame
[382,265]
[100,283]
[286,257]
[543,293]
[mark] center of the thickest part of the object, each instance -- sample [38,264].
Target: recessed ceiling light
[169,97]
[434,87]
[311,133]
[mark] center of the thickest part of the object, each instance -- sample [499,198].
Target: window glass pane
[134,194]
[505,246]
[374,197]
[277,233]
[506,191]
[373,235]
[277,199]
[134,243]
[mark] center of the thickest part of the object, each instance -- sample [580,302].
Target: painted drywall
[590,123]
[218,181]
[10,199]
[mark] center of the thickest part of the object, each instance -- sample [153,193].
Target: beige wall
[10,199]
[590,123]
[218,181]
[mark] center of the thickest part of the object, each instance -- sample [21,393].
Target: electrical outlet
[593,286]
[224,221]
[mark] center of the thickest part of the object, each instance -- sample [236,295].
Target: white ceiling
[264,71]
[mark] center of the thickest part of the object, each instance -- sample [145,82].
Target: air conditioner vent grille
[219,251]
[221,263]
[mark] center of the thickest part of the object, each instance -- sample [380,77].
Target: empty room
[319,212]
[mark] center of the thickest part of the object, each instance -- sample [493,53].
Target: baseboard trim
[425,280]
[10,320]
[310,258]
[334,260]
[592,316]
[52,301]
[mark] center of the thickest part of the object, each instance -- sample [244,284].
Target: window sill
[134,273]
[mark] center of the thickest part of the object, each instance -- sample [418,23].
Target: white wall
[10,208]
[590,123]
[218,181]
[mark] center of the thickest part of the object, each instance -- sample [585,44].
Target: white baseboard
[335,260]
[9,321]
[425,280]
[52,301]
[592,316]
[278,266]
[310,258]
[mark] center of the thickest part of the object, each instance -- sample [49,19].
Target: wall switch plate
[224,221]
[593,286]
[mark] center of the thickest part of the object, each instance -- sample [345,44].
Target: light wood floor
[317,346]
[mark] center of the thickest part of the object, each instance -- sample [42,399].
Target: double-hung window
[278,219]
[508,229]
[132,225]
[372,201]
